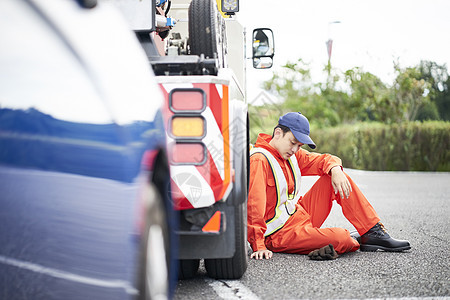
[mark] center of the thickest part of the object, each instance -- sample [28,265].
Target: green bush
[411,146]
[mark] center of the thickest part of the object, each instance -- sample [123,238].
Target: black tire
[207,33]
[155,253]
[161,180]
[188,268]
[247,152]
[234,267]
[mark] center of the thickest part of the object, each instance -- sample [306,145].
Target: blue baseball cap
[299,126]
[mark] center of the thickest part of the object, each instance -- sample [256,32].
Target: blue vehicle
[84,204]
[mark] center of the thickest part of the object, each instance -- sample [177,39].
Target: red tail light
[187,100]
[188,153]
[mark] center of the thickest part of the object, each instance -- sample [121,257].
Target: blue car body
[80,135]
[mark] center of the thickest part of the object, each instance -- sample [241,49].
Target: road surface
[412,205]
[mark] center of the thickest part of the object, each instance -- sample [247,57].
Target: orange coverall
[302,233]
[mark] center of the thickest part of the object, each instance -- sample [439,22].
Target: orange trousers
[302,233]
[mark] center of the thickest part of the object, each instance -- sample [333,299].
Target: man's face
[287,145]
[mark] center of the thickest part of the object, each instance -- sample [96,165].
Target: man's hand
[340,182]
[261,254]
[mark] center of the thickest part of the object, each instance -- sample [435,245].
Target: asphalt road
[412,205]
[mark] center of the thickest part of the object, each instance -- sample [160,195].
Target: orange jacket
[262,197]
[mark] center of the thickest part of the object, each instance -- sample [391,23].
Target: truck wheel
[155,253]
[234,267]
[188,268]
[207,30]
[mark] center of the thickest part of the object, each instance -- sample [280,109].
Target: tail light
[187,127]
[187,100]
[188,153]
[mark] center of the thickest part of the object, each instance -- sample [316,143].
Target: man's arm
[256,207]
[319,164]
[312,163]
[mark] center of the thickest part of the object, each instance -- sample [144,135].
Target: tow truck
[197,50]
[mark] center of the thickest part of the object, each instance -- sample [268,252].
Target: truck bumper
[196,244]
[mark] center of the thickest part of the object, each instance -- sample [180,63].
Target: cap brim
[304,139]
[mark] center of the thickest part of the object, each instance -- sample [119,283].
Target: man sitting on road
[280,220]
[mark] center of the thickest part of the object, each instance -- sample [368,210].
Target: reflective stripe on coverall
[301,233]
[285,202]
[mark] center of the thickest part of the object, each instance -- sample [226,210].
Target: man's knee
[343,242]
[338,235]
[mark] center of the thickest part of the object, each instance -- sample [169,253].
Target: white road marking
[122,284]
[413,298]
[231,289]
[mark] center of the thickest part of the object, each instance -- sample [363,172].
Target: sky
[371,34]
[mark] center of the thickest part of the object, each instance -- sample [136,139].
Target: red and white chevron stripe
[201,184]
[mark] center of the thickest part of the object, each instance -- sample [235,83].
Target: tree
[439,93]
[317,101]
[369,98]
[417,93]
[409,93]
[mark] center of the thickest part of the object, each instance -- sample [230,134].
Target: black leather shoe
[378,238]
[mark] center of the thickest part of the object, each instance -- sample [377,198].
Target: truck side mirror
[263,48]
